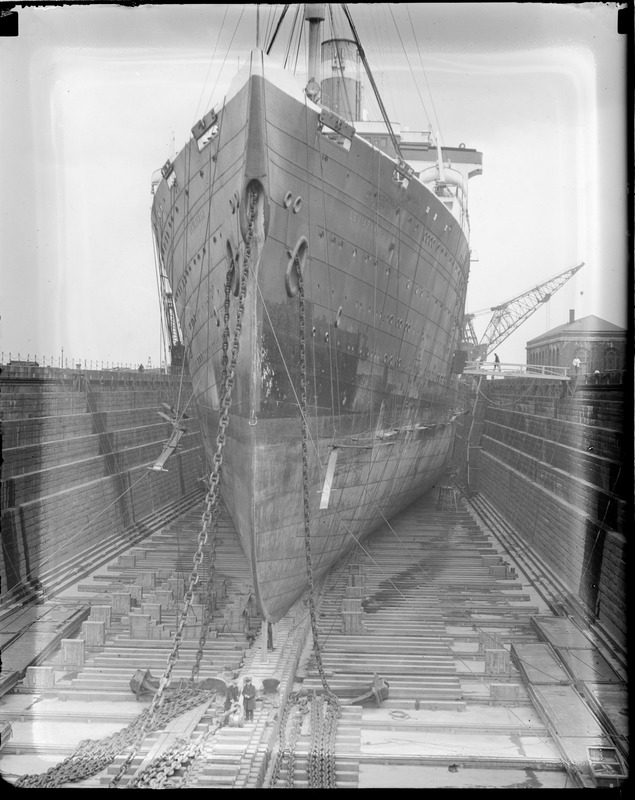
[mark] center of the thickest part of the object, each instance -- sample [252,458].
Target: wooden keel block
[352,616]
[94,633]
[165,597]
[194,624]
[39,678]
[177,585]
[147,579]
[136,593]
[140,626]
[153,610]
[120,603]
[496,662]
[353,623]
[503,692]
[101,614]
[489,641]
[73,653]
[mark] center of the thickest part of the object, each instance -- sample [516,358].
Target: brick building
[600,345]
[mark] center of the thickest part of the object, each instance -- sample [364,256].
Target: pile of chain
[93,755]
[157,774]
[290,726]
[321,758]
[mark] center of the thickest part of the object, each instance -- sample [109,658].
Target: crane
[510,315]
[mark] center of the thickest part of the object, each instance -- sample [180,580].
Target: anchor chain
[91,756]
[297,708]
[182,757]
[215,507]
[157,774]
[321,766]
[314,756]
[212,510]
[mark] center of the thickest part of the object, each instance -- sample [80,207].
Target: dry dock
[482,693]
[494,607]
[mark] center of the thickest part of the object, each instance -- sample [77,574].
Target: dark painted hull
[385,273]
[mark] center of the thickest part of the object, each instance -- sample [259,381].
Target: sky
[94,99]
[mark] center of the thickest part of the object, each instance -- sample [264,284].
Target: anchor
[378,691]
[173,442]
[143,683]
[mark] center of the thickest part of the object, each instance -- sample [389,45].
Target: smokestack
[571,315]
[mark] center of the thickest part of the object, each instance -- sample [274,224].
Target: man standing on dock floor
[497,362]
[249,699]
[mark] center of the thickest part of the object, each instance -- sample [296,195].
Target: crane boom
[510,315]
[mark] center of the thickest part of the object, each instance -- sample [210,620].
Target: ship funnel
[341,84]
[314,14]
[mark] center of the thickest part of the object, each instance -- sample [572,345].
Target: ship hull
[384,270]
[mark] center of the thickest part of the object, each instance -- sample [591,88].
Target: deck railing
[595,378]
[526,369]
[64,362]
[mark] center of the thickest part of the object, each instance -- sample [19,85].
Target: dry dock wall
[550,460]
[75,481]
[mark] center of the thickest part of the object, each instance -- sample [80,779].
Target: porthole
[338,318]
[297,205]
[288,199]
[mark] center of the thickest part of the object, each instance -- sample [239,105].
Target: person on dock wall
[497,362]
[249,699]
[576,365]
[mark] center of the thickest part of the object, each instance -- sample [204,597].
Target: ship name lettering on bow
[359,219]
[196,221]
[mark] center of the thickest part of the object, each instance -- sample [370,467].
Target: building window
[582,354]
[610,359]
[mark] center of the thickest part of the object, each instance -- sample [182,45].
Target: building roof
[580,327]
